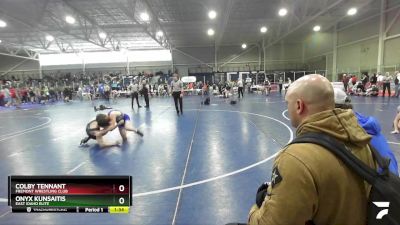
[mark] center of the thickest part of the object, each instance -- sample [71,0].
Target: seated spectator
[359,88]
[373,79]
[304,175]
[372,127]
[373,90]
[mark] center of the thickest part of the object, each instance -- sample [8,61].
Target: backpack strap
[340,151]
[382,162]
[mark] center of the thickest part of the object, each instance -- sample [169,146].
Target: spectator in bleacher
[166,92]
[6,96]
[46,92]
[38,93]
[31,94]
[353,80]
[373,79]
[154,92]
[360,88]
[364,79]
[67,94]
[24,94]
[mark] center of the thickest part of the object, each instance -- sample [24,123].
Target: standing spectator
[15,98]
[386,84]
[205,88]
[380,80]
[280,82]
[107,92]
[240,87]
[267,86]
[345,81]
[396,87]
[177,93]
[396,83]
[145,92]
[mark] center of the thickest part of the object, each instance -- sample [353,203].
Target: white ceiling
[184,22]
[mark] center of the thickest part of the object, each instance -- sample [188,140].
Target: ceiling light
[210,32]
[102,35]
[159,33]
[144,16]
[0,41]
[2,23]
[317,28]
[244,46]
[212,14]
[70,19]
[282,12]
[352,11]
[263,29]
[49,38]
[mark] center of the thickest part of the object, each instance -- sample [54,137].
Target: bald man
[309,185]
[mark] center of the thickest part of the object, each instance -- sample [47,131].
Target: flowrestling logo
[383,212]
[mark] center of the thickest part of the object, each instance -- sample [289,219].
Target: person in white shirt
[177,93]
[267,86]
[240,87]
[280,84]
[134,91]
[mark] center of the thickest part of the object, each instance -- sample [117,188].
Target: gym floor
[202,168]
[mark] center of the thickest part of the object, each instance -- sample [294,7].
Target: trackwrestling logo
[383,212]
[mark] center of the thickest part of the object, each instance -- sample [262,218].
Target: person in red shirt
[353,79]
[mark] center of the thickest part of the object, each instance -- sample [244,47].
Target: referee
[177,92]
[134,90]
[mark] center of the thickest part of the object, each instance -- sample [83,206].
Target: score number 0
[121,200]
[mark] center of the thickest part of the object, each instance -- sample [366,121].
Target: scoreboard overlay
[70,194]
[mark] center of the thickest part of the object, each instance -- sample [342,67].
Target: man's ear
[299,106]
